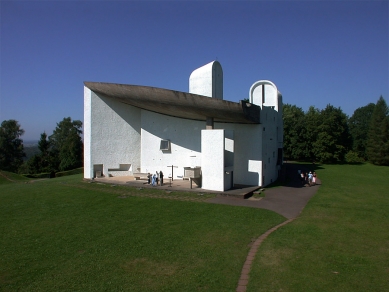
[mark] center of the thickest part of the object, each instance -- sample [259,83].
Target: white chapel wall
[185,144]
[88,170]
[247,152]
[269,144]
[212,149]
[114,135]
[265,94]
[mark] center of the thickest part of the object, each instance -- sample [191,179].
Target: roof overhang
[179,104]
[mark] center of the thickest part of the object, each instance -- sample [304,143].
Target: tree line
[61,151]
[330,136]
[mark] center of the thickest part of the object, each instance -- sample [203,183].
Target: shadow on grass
[290,177]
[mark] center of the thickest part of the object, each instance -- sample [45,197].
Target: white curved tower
[207,80]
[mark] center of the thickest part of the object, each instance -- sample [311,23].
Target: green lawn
[339,243]
[9,177]
[64,234]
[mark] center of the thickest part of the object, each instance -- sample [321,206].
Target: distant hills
[30,148]
[29,143]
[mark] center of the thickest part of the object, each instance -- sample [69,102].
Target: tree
[66,144]
[294,129]
[378,135]
[11,146]
[46,157]
[42,162]
[333,138]
[359,127]
[312,122]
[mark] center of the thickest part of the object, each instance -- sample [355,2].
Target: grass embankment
[339,243]
[64,234]
[9,177]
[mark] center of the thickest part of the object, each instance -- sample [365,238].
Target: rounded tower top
[207,80]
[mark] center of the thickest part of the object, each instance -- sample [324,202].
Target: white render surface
[121,139]
[265,94]
[184,135]
[185,145]
[247,143]
[212,168]
[207,80]
[112,134]
[88,169]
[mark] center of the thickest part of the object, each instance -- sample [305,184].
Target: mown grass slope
[339,243]
[65,234]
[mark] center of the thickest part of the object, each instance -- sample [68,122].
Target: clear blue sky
[316,52]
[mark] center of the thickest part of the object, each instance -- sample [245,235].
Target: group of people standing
[307,178]
[155,178]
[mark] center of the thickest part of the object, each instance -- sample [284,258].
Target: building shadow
[290,174]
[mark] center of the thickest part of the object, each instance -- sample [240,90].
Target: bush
[70,172]
[352,157]
[38,175]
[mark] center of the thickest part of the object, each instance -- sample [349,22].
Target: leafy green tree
[333,140]
[294,130]
[359,127]
[44,161]
[378,135]
[34,164]
[46,157]
[11,146]
[66,144]
[312,122]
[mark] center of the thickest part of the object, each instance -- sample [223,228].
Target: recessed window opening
[165,145]
[263,93]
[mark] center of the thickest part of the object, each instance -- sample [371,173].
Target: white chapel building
[132,129]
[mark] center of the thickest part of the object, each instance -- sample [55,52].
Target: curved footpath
[287,200]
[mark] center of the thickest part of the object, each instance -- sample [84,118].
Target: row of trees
[329,136]
[61,151]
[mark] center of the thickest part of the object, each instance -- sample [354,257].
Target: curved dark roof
[179,104]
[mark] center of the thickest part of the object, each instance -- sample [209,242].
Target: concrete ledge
[140,176]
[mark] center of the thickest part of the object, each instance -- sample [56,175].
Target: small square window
[165,145]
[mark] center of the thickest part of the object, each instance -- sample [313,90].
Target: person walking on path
[310,177]
[154,180]
[156,177]
[302,178]
[161,177]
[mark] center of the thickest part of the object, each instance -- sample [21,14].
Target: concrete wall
[212,149]
[185,144]
[88,169]
[270,145]
[207,80]
[116,141]
[111,134]
[247,152]
[265,94]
